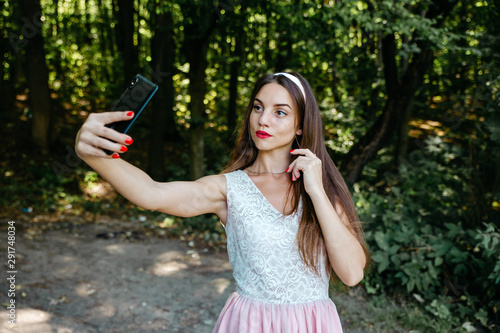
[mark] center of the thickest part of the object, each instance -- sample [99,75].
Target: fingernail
[287,169]
[123,148]
[129,141]
[291,151]
[115,155]
[130,114]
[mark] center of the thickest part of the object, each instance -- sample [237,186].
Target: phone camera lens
[133,82]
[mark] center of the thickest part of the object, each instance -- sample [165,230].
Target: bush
[422,244]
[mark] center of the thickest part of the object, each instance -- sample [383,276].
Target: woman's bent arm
[345,252]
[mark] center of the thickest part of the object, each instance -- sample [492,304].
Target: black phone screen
[135,98]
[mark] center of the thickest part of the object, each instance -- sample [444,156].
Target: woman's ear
[299,132]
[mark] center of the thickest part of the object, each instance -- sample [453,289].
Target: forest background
[409,94]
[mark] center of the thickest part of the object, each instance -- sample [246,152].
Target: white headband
[294,80]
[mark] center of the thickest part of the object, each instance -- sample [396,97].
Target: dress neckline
[264,197]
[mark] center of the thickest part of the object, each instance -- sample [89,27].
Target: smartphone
[135,98]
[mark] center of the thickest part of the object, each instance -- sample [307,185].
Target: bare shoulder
[216,184]
[192,198]
[215,188]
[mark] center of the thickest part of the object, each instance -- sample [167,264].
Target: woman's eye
[257,108]
[281,113]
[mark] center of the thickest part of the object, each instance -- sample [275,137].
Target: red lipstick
[262,135]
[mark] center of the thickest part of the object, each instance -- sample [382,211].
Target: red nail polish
[123,148]
[287,169]
[292,150]
[129,141]
[115,155]
[130,114]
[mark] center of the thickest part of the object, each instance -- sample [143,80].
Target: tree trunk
[163,124]
[42,132]
[102,26]
[236,56]
[103,31]
[195,48]
[401,149]
[197,89]
[55,31]
[87,24]
[125,38]
[400,93]
[107,16]
[400,97]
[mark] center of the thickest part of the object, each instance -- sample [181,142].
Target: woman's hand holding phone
[94,135]
[106,132]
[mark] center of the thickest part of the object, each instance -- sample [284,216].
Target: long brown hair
[309,236]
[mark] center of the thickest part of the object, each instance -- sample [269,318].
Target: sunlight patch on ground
[221,284]
[84,289]
[27,320]
[64,258]
[168,268]
[167,256]
[115,249]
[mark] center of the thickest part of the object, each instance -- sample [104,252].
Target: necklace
[266,172]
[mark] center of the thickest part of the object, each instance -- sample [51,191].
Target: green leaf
[438,261]
[380,238]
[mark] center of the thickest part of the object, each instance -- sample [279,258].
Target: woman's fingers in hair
[302,151]
[293,169]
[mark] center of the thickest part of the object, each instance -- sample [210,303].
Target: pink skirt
[242,314]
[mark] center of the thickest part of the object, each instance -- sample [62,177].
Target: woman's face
[274,118]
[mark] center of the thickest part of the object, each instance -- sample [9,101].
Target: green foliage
[433,221]
[489,245]
[421,244]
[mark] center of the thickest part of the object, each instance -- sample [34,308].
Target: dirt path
[69,282]
[80,283]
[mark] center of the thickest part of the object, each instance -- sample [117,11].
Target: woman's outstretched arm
[206,195]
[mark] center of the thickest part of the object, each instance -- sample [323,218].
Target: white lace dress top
[262,248]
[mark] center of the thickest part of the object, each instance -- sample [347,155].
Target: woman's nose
[264,118]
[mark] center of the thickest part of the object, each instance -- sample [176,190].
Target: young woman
[290,221]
